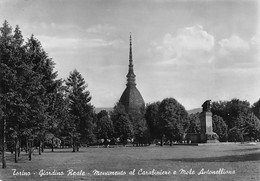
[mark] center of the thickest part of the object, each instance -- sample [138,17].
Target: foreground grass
[241,160]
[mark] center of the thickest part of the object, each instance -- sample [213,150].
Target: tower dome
[131,97]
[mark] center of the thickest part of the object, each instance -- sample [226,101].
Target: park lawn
[243,159]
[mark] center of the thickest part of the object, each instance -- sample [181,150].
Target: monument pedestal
[206,133]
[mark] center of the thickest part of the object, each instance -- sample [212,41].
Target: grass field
[228,162]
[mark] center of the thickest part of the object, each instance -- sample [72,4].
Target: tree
[80,108]
[220,108]
[152,119]
[172,115]
[65,121]
[27,92]
[252,124]
[16,124]
[256,109]
[234,134]
[59,114]
[237,115]
[123,127]
[230,110]
[43,90]
[247,125]
[12,70]
[193,125]
[105,128]
[7,80]
[141,132]
[220,127]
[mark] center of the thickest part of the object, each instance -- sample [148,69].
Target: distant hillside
[194,111]
[108,109]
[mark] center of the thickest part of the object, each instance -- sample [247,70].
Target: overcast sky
[186,49]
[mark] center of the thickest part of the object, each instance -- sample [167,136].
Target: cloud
[255,43]
[235,52]
[67,29]
[194,38]
[49,42]
[188,44]
[255,40]
[234,43]
[59,27]
[101,28]
[3,1]
[52,29]
[72,36]
[195,48]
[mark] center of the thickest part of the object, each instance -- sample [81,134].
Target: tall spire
[131,97]
[130,76]
[130,52]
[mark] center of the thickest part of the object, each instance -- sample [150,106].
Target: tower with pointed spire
[131,97]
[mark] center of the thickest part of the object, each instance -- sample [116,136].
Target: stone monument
[206,134]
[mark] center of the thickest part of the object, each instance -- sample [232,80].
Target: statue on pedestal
[206,134]
[206,106]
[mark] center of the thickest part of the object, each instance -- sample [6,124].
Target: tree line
[167,121]
[37,109]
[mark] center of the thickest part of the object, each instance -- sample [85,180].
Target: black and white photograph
[130,90]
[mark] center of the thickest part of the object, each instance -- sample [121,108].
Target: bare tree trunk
[26,144]
[52,144]
[43,146]
[30,150]
[15,150]
[73,144]
[3,143]
[162,141]
[77,146]
[19,147]
[40,144]
[242,139]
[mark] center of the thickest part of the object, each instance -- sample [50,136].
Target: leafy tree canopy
[193,123]
[172,115]
[256,109]
[105,129]
[123,127]
[152,119]
[220,127]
